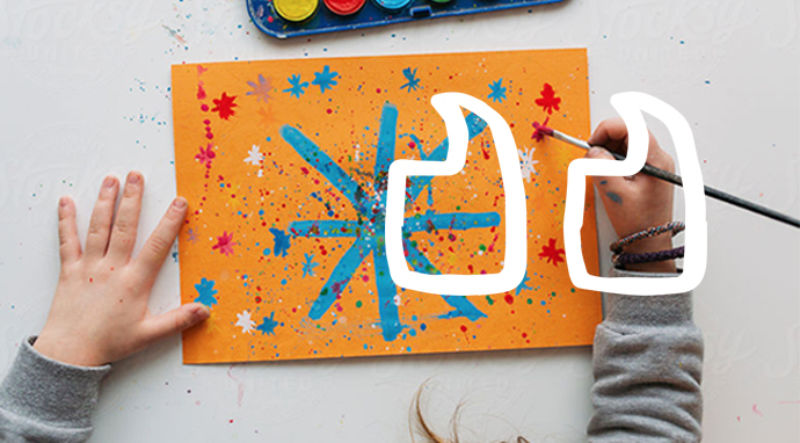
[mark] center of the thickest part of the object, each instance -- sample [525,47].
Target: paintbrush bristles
[542,129]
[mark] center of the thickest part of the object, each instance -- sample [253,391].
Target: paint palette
[293,18]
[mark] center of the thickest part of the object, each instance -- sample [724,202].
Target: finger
[100,223]
[123,234]
[612,134]
[158,244]
[613,190]
[172,322]
[69,243]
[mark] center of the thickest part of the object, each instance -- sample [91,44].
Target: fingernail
[179,203]
[201,312]
[594,152]
[108,182]
[134,178]
[63,201]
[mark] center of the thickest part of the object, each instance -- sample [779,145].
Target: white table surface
[85,91]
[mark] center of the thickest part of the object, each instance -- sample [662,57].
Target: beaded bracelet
[647,257]
[675,227]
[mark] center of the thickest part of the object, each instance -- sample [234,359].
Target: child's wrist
[661,242]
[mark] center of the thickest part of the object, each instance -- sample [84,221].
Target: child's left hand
[99,312]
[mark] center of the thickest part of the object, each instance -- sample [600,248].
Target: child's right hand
[635,203]
[99,312]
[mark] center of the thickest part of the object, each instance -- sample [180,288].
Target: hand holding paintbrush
[612,134]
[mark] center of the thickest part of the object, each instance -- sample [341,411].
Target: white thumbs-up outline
[449,105]
[630,106]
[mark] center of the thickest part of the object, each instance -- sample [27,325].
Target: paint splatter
[254,157]
[268,325]
[548,101]
[244,321]
[205,292]
[413,81]
[206,155]
[224,106]
[614,197]
[297,87]
[224,243]
[309,265]
[551,253]
[281,242]
[261,90]
[523,285]
[498,91]
[174,34]
[527,163]
[325,79]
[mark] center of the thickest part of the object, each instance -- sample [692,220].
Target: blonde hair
[417,425]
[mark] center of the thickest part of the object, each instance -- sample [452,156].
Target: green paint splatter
[489,300]
[359,304]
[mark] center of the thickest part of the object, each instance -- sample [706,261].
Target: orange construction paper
[284,162]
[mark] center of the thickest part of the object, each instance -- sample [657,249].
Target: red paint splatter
[548,101]
[552,253]
[509,298]
[485,153]
[538,135]
[224,243]
[201,93]
[756,411]
[224,105]
[463,328]
[204,107]
[258,299]
[206,155]
[201,69]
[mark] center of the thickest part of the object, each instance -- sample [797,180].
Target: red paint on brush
[541,129]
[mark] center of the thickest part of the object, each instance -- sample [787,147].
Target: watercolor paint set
[294,18]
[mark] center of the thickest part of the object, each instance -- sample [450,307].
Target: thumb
[613,190]
[174,321]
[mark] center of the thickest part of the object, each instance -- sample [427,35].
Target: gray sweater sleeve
[44,400]
[648,357]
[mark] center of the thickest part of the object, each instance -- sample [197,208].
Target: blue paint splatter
[325,79]
[498,93]
[522,285]
[309,265]
[205,292]
[282,242]
[268,325]
[368,231]
[614,197]
[298,88]
[413,81]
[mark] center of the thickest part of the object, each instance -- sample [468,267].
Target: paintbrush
[677,180]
